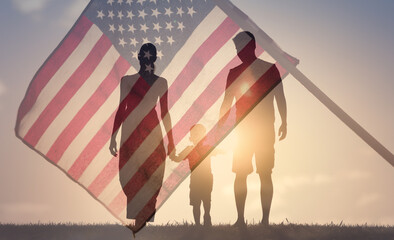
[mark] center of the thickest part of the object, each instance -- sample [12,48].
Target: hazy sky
[323,171]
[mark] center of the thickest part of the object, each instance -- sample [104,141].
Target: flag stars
[120,29]
[120,15]
[169,26]
[155,12]
[135,54]
[131,28]
[129,2]
[112,28]
[158,40]
[122,42]
[110,2]
[142,14]
[170,40]
[156,26]
[141,2]
[133,42]
[130,15]
[180,12]
[100,15]
[120,2]
[144,27]
[145,40]
[168,12]
[147,54]
[191,11]
[148,68]
[160,54]
[111,14]
[181,26]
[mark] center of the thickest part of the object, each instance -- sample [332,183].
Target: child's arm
[183,154]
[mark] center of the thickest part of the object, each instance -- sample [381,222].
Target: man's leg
[207,215]
[240,191]
[266,193]
[196,213]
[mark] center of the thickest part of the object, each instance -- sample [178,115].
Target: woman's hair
[147,54]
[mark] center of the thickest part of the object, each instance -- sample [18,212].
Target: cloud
[72,13]
[30,6]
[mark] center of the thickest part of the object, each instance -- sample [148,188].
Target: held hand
[173,156]
[113,149]
[282,132]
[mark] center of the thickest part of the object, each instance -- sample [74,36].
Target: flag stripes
[250,98]
[69,111]
[49,91]
[51,66]
[131,164]
[68,90]
[90,107]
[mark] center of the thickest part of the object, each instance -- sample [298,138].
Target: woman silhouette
[142,153]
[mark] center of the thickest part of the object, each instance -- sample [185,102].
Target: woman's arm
[118,117]
[165,116]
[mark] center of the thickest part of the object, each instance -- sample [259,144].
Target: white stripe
[77,101]
[209,120]
[148,190]
[129,125]
[88,132]
[203,79]
[201,33]
[60,77]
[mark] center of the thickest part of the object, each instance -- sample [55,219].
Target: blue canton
[131,23]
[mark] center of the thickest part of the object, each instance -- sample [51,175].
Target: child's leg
[196,213]
[207,215]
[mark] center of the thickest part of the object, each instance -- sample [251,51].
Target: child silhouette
[201,178]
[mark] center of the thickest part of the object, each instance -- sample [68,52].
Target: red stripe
[133,142]
[203,54]
[105,132]
[68,90]
[147,212]
[94,103]
[48,70]
[253,96]
[197,62]
[206,99]
[144,173]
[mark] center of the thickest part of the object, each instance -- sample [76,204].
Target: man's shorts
[259,142]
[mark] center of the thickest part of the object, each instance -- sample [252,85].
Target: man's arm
[227,101]
[282,108]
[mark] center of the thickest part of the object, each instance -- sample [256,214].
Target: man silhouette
[256,134]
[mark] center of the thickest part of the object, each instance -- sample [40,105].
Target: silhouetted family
[256,134]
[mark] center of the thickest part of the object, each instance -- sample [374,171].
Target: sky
[323,171]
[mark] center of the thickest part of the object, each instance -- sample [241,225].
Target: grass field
[190,232]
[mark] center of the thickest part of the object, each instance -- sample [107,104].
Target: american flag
[68,111]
